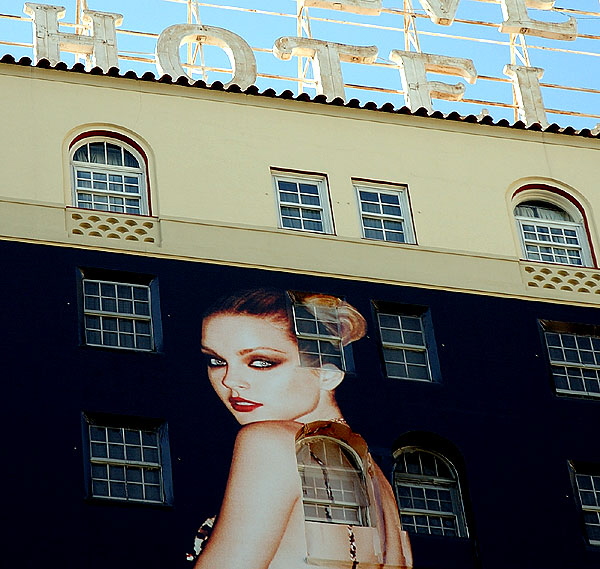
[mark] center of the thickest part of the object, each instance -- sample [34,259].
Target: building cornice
[253,90]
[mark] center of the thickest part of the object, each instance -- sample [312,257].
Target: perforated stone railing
[560,278]
[106,225]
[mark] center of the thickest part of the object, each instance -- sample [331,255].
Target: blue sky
[261,30]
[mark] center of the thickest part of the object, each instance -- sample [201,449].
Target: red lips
[243,405]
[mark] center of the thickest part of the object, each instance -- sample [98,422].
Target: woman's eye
[261,363]
[215,362]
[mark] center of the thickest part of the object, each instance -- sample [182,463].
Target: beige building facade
[211,195]
[475,240]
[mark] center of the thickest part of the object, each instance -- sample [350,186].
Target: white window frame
[323,207]
[594,478]
[577,225]
[583,365]
[405,218]
[324,341]
[134,317]
[118,463]
[319,477]
[433,483]
[405,347]
[107,170]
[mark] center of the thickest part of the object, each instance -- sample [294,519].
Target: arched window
[552,233]
[428,493]
[333,482]
[109,175]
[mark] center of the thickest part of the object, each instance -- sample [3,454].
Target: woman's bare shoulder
[274,429]
[271,443]
[269,432]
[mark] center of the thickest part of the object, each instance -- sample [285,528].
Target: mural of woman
[303,490]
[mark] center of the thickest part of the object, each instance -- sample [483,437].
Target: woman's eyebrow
[204,349]
[259,348]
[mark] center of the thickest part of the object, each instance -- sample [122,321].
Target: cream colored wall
[210,159]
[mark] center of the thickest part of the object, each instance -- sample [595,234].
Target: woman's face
[254,367]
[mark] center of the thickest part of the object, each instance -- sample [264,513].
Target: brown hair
[273,304]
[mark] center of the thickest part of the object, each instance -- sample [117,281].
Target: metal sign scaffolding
[407,26]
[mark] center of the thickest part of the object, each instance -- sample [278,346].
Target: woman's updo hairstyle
[352,325]
[274,304]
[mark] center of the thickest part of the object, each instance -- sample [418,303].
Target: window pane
[130,160]
[368,196]
[310,200]
[81,154]
[371,223]
[113,153]
[313,226]
[99,488]
[311,214]
[141,293]
[135,491]
[97,153]
[287,186]
[99,450]
[292,223]
[309,189]
[126,325]
[153,494]
[390,199]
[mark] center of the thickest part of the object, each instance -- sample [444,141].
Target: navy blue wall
[494,405]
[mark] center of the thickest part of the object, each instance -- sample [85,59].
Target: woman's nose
[234,378]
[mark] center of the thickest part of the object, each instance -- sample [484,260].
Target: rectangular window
[117,315]
[128,459]
[574,353]
[385,213]
[408,349]
[587,483]
[318,331]
[107,191]
[551,243]
[303,202]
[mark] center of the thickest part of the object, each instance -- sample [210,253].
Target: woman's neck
[327,410]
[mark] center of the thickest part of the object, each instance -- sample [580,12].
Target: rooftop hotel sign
[325,56]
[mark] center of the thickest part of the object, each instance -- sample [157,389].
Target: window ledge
[583,280]
[81,223]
